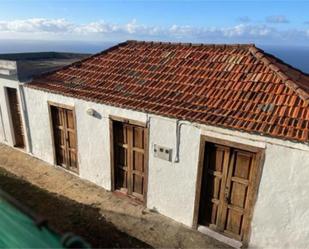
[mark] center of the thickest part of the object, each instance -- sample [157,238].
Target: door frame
[260,156]
[51,104]
[113,119]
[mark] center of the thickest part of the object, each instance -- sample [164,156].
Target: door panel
[59,135]
[70,119]
[65,137]
[17,123]
[238,183]
[121,156]
[214,179]
[227,184]
[233,224]
[129,157]
[71,140]
[138,184]
[138,162]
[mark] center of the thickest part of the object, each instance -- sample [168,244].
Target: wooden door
[121,156]
[238,192]
[18,129]
[227,188]
[130,162]
[214,179]
[64,137]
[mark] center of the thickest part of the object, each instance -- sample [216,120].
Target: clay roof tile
[234,86]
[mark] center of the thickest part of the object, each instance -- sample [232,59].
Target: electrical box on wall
[162,152]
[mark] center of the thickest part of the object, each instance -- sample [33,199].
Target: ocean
[296,56]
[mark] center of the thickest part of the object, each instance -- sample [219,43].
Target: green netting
[17,230]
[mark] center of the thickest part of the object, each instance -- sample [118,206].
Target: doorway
[130,143]
[65,138]
[228,187]
[16,119]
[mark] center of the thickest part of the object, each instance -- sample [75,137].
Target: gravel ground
[104,219]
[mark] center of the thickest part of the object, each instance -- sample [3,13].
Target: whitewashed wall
[281,215]
[6,129]
[171,188]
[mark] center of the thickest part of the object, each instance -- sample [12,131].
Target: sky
[261,22]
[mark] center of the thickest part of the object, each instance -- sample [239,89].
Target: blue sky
[262,22]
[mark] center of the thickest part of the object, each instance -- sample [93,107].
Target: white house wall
[93,136]
[170,185]
[2,125]
[171,188]
[281,213]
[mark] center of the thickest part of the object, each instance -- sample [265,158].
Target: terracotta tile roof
[232,86]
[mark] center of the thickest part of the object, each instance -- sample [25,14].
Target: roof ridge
[191,83]
[245,45]
[288,81]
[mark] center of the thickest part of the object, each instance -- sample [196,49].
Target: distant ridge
[42,56]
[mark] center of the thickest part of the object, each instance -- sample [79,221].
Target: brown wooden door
[65,138]
[214,179]
[130,143]
[238,192]
[227,188]
[17,123]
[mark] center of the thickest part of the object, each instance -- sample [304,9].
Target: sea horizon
[295,55]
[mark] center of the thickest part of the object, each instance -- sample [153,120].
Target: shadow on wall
[66,215]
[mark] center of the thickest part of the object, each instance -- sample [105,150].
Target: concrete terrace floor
[101,217]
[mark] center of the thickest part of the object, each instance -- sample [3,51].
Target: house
[15,71]
[213,136]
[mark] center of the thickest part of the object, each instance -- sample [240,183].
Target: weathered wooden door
[64,137]
[17,123]
[227,189]
[130,162]
[214,179]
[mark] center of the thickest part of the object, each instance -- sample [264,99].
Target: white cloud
[132,27]
[277,19]
[95,27]
[102,27]
[237,30]
[100,30]
[36,25]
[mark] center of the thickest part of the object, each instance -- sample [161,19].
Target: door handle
[227,195]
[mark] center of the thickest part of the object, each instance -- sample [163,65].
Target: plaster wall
[2,127]
[171,189]
[280,214]
[93,135]
[170,185]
